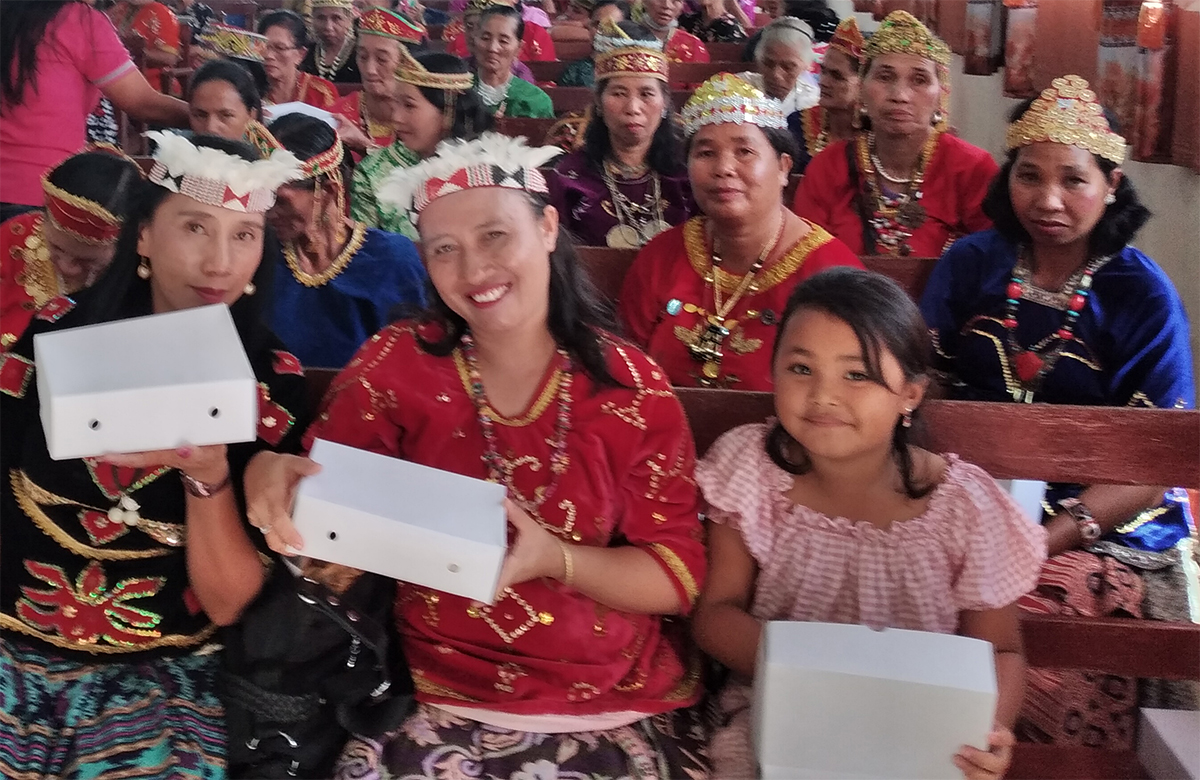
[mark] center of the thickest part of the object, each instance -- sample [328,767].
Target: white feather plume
[509,154]
[183,158]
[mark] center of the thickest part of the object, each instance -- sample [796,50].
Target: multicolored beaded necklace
[894,217]
[487,423]
[1033,364]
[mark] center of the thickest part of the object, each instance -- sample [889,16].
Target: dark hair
[235,75]
[306,137]
[101,177]
[820,17]
[579,315]
[666,154]
[23,29]
[291,21]
[884,318]
[508,12]
[470,117]
[782,141]
[621,5]
[1121,221]
[120,293]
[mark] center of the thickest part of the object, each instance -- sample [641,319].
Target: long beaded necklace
[632,232]
[707,347]
[894,217]
[1033,364]
[343,55]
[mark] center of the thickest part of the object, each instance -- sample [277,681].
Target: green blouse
[369,175]
[524,100]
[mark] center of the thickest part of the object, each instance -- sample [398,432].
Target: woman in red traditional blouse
[662,19]
[60,251]
[287,44]
[155,24]
[902,186]
[704,298]
[513,376]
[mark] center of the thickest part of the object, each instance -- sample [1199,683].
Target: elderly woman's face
[488,256]
[663,12]
[1058,192]
[781,66]
[632,108]
[901,93]
[735,172]
[839,82]
[377,58]
[497,44]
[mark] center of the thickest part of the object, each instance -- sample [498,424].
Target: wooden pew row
[717,52]
[684,72]
[607,268]
[567,99]
[1088,444]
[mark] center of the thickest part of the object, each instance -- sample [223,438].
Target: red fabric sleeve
[639,306]
[813,200]
[975,183]
[538,46]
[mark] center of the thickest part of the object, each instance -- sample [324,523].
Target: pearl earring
[249,289]
[1110,199]
[143,269]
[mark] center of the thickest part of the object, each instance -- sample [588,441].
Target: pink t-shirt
[79,53]
[971,549]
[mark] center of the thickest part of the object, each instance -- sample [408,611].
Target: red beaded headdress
[616,54]
[218,179]
[82,219]
[848,39]
[389,24]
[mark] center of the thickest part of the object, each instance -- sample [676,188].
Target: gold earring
[859,116]
[249,289]
[143,269]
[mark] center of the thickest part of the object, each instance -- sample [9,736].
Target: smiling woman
[704,298]
[573,666]
[116,571]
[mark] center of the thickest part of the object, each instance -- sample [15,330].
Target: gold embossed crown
[725,99]
[347,4]
[848,39]
[390,24]
[902,33]
[616,54]
[229,41]
[1067,112]
[410,71]
[479,6]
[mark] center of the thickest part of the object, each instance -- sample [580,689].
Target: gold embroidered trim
[1140,519]
[38,277]
[424,685]
[83,204]
[29,495]
[816,134]
[696,246]
[686,687]
[170,640]
[535,410]
[679,569]
[357,237]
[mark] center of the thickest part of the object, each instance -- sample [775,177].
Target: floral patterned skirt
[433,743]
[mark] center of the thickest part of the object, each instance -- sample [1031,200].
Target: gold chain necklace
[292,257]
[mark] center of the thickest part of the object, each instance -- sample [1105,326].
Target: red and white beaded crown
[492,160]
[216,178]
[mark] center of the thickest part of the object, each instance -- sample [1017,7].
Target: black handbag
[304,669]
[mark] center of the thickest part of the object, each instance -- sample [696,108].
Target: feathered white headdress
[492,160]
[211,176]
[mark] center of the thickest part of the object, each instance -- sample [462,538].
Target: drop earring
[859,116]
[906,418]
[938,117]
[143,269]
[249,289]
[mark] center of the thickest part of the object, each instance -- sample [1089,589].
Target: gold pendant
[711,369]
[623,237]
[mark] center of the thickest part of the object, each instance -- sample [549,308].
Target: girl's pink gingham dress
[972,549]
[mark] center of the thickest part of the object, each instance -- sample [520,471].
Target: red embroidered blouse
[665,299]
[27,278]
[546,648]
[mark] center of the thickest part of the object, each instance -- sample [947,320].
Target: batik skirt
[158,718]
[438,745]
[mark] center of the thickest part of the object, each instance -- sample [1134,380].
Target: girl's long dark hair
[23,29]
[884,319]
[579,315]
[120,293]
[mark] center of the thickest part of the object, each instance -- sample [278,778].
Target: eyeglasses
[276,48]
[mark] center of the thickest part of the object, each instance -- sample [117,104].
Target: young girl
[829,514]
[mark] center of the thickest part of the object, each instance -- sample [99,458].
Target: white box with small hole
[403,520]
[834,700]
[146,383]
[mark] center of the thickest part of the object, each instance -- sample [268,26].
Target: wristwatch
[1089,529]
[200,489]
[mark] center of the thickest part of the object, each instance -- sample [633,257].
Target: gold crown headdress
[1067,112]
[616,54]
[410,71]
[725,98]
[491,160]
[346,4]
[479,6]
[230,41]
[390,24]
[902,33]
[848,39]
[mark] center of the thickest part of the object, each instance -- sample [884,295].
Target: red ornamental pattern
[283,362]
[88,611]
[15,373]
[273,420]
[55,308]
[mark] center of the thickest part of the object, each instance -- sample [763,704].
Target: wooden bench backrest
[533,129]
[681,72]
[567,99]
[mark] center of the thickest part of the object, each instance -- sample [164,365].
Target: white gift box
[1028,493]
[845,701]
[403,520]
[1169,744]
[147,383]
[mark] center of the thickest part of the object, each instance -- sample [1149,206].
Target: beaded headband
[346,4]
[1067,112]
[492,160]
[724,99]
[616,54]
[848,39]
[479,6]
[229,41]
[83,219]
[902,33]
[410,71]
[216,178]
[389,24]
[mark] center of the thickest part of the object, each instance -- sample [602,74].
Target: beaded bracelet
[568,565]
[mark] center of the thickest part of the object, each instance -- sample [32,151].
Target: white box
[403,520]
[147,383]
[1169,744]
[843,701]
[1028,493]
